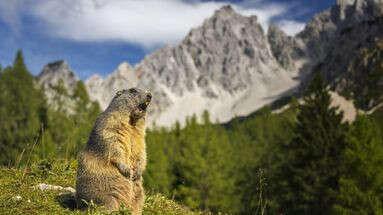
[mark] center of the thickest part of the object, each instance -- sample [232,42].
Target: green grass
[20,182]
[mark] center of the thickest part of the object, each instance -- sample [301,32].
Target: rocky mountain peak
[230,67]
[55,72]
[124,67]
[57,64]
[226,22]
[126,72]
[325,27]
[226,8]
[367,9]
[349,12]
[224,66]
[225,12]
[344,3]
[103,90]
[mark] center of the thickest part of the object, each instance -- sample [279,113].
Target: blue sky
[95,36]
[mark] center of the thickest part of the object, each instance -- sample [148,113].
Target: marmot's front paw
[137,170]
[124,170]
[137,175]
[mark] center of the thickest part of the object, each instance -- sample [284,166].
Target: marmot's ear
[119,93]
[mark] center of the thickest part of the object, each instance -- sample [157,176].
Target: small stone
[44,187]
[70,189]
[17,198]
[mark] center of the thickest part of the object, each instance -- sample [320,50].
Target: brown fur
[111,165]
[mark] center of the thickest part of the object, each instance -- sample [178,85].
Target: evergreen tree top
[19,64]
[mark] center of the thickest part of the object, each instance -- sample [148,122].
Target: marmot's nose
[149,96]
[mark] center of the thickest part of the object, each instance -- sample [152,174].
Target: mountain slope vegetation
[302,159]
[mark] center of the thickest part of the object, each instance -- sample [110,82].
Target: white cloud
[9,13]
[145,22]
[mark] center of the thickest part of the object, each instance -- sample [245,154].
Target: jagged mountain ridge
[230,66]
[55,74]
[324,34]
[361,28]
[225,66]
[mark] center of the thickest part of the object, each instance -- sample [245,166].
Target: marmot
[111,165]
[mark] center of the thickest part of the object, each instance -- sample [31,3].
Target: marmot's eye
[119,93]
[132,90]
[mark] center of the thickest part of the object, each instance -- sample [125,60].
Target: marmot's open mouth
[143,106]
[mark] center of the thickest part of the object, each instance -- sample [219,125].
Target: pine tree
[23,113]
[160,145]
[85,113]
[313,163]
[361,186]
[71,118]
[203,167]
[60,125]
[258,146]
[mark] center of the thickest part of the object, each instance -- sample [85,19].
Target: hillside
[19,195]
[363,79]
[294,124]
[240,168]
